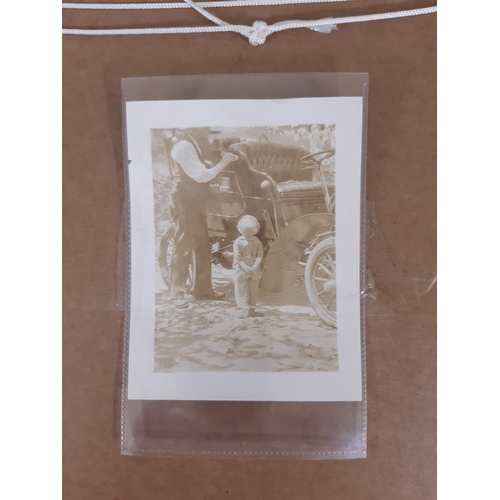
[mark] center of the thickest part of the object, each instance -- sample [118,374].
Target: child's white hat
[248,221]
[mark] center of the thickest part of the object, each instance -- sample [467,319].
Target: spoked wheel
[321,284]
[165,260]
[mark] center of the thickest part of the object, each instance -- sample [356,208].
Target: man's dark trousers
[189,217]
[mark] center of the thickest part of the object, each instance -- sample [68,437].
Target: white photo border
[345,384]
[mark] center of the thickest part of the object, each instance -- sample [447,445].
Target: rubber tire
[165,242]
[318,252]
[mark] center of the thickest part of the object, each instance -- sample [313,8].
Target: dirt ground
[215,336]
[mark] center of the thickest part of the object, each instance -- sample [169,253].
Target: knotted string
[260,30]
[257,33]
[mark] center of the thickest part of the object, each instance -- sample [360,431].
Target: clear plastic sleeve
[246,429]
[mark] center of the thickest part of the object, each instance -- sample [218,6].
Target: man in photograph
[191,176]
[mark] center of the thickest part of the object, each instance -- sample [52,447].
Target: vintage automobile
[286,189]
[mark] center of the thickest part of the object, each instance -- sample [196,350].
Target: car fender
[283,257]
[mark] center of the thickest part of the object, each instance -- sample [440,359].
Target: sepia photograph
[245,248]
[245,240]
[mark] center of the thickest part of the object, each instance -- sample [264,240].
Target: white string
[183,5]
[258,32]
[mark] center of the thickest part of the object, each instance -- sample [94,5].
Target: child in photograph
[247,256]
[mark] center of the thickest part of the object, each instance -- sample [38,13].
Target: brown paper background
[400,57]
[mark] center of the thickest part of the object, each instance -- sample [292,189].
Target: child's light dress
[246,285]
